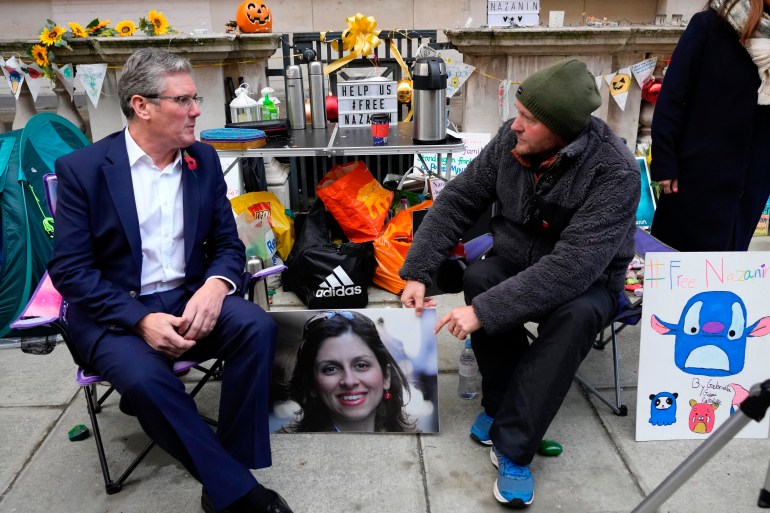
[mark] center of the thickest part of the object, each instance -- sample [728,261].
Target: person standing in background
[711,130]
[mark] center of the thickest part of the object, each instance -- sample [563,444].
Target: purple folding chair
[47,308]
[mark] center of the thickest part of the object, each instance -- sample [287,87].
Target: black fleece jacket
[571,229]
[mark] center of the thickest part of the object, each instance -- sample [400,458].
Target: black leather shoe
[276,504]
[207,506]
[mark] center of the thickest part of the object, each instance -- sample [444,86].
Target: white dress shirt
[159,206]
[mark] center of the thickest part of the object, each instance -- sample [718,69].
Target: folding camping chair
[628,312]
[47,308]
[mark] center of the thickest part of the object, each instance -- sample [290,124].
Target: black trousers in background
[523,385]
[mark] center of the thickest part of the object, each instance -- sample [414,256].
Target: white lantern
[244,108]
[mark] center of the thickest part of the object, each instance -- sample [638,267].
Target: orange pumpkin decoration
[254,17]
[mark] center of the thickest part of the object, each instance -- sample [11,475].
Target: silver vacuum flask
[295,98]
[317,95]
[429,89]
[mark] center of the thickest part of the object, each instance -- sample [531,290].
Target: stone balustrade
[513,54]
[214,57]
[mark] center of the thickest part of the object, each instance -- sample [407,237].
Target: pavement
[602,468]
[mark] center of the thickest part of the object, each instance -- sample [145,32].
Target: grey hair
[144,74]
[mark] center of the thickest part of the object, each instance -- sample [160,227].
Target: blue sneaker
[515,485]
[480,429]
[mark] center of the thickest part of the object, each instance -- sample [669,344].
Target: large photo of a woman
[370,370]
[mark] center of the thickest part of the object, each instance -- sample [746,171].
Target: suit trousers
[523,385]
[244,337]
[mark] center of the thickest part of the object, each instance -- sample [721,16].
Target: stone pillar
[25,108]
[66,108]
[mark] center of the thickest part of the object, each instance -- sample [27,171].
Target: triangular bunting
[92,78]
[34,77]
[66,77]
[643,70]
[13,74]
[457,74]
[620,83]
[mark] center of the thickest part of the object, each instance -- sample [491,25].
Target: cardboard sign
[357,100]
[704,343]
[513,13]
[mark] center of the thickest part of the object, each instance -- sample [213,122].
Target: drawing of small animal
[701,419]
[663,408]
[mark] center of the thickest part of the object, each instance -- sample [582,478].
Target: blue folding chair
[46,308]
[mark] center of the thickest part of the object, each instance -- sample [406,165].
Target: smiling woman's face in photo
[350,381]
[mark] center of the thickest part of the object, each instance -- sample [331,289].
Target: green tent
[27,228]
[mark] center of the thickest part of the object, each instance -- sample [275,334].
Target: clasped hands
[172,335]
[460,322]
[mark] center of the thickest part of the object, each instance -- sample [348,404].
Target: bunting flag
[13,75]
[643,70]
[66,76]
[620,83]
[34,77]
[457,72]
[92,78]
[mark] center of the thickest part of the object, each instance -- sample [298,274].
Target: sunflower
[77,29]
[158,21]
[40,54]
[125,28]
[51,34]
[100,24]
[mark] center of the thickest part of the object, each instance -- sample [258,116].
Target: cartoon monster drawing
[701,419]
[663,408]
[710,337]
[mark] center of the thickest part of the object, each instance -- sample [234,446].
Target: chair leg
[94,404]
[621,410]
[93,408]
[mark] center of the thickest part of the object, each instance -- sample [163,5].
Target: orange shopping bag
[390,249]
[356,200]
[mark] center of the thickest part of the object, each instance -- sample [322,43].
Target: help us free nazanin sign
[357,100]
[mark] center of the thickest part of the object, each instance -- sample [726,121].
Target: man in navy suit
[148,257]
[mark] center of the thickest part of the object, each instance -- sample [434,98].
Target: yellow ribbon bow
[360,39]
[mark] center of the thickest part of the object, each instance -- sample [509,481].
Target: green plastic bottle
[268,108]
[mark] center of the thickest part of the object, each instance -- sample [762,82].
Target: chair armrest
[264,273]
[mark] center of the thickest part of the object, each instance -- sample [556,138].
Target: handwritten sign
[359,99]
[705,341]
[474,142]
[513,13]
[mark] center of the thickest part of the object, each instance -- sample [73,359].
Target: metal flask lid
[294,71]
[429,73]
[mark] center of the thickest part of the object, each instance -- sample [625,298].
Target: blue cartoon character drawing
[710,337]
[663,408]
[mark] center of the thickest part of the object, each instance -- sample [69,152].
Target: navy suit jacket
[97,257]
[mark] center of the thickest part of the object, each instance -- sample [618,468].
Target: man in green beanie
[565,190]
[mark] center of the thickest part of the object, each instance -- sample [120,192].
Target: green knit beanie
[561,96]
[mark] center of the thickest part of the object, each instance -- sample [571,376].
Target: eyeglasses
[325,316]
[183,101]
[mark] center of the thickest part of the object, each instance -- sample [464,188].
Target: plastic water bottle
[468,385]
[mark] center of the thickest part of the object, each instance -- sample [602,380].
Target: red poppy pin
[192,164]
